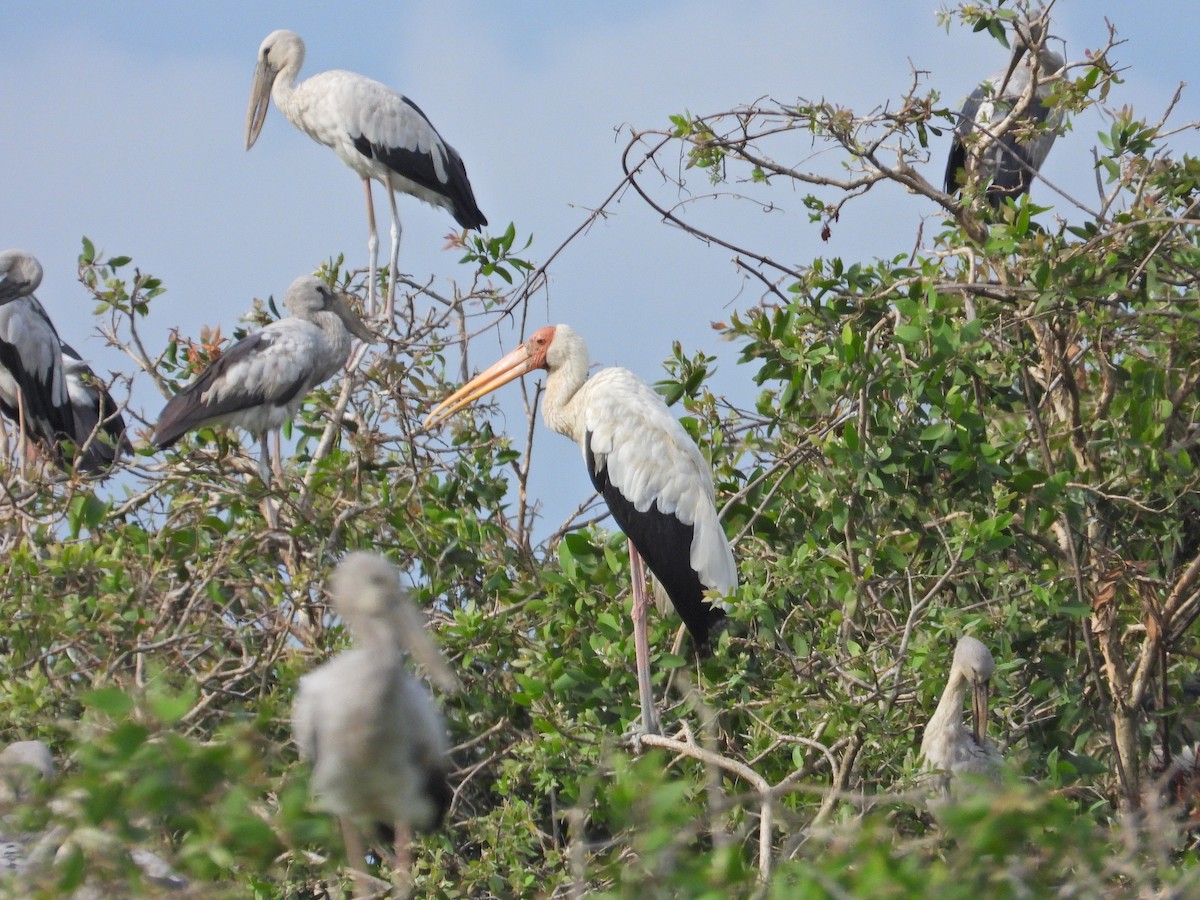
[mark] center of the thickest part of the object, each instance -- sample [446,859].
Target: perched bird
[99,427]
[949,748]
[1009,154]
[260,382]
[657,484]
[21,764]
[33,389]
[44,383]
[377,132]
[376,741]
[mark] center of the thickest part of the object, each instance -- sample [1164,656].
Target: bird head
[308,295]
[20,274]
[546,348]
[1029,37]
[974,661]
[281,50]
[367,595]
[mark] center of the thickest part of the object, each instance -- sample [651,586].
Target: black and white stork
[987,149]
[376,131]
[370,729]
[33,387]
[260,382]
[44,383]
[657,484]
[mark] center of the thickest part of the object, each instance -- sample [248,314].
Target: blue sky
[124,121]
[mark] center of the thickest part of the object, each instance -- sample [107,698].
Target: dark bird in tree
[992,147]
[44,384]
[260,382]
[657,484]
[99,425]
[377,132]
[374,737]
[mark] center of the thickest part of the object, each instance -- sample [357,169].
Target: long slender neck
[284,89]
[562,387]
[949,712]
[337,339]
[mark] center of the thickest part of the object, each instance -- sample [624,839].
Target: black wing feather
[419,168]
[1014,173]
[666,544]
[44,421]
[958,151]
[1011,162]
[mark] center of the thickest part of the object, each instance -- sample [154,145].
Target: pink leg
[277,458]
[372,249]
[641,641]
[390,308]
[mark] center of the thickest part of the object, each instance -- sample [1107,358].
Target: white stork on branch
[949,748]
[376,131]
[44,384]
[376,741]
[260,382]
[657,484]
[988,148]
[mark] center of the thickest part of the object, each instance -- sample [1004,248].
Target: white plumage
[260,382]
[949,748]
[653,477]
[377,132]
[650,459]
[1009,163]
[376,741]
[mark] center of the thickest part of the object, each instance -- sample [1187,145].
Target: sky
[124,122]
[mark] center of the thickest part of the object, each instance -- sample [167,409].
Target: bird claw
[632,736]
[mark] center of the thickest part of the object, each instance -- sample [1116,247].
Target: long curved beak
[500,373]
[9,290]
[979,710]
[1019,51]
[416,641]
[260,100]
[354,324]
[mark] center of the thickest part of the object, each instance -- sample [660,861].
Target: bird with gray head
[948,747]
[21,764]
[371,731]
[44,384]
[33,389]
[990,147]
[377,132]
[260,382]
